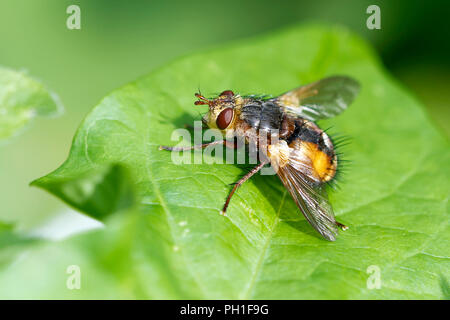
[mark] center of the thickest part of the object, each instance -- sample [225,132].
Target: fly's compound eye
[227,93]
[224,118]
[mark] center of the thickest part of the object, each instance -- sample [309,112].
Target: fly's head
[222,113]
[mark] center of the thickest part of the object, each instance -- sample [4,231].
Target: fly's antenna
[201,100]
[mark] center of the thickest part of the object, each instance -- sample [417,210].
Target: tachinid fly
[302,154]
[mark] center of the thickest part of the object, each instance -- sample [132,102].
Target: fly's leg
[342,226]
[191,127]
[227,143]
[238,184]
[194,147]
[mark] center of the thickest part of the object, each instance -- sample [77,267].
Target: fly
[301,153]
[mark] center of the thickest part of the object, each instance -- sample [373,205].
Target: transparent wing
[323,99]
[311,199]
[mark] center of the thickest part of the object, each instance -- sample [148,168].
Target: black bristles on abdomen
[308,133]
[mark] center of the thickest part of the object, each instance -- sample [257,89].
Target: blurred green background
[122,40]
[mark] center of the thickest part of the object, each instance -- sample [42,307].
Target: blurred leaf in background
[11,244]
[21,99]
[176,245]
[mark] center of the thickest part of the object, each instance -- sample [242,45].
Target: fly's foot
[165,148]
[342,226]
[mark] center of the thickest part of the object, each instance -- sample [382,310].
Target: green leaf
[21,99]
[11,243]
[176,245]
[98,192]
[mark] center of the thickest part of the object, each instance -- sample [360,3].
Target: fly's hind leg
[342,226]
[238,184]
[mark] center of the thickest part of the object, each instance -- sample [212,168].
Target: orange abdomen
[323,165]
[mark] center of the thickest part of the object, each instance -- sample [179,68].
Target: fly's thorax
[265,115]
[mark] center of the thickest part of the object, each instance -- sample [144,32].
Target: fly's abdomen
[301,135]
[315,145]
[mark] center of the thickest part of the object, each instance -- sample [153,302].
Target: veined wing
[312,202]
[309,195]
[322,99]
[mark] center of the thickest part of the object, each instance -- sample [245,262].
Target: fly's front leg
[191,127]
[194,147]
[229,144]
[238,184]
